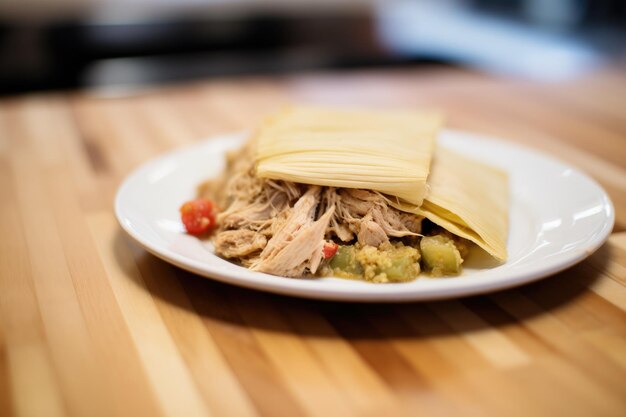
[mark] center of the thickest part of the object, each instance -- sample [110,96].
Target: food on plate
[359,194]
[441,255]
[198,216]
[467,198]
[387,262]
[383,151]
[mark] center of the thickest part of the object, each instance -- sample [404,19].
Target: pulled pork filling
[281,227]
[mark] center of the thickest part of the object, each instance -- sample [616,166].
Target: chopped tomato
[330,249]
[198,216]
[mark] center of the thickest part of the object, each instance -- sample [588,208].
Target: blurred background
[66,44]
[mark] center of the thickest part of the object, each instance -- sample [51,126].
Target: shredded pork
[281,227]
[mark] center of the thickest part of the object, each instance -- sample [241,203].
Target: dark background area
[71,44]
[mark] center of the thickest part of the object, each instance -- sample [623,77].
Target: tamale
[381,150]
[467,198]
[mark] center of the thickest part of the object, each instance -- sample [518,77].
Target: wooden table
[91,325]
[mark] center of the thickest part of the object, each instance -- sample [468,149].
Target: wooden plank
[64,326]
[455,350]
[490,343]
[610,259]
[366,330]
[265,386]
[362,386]
[29,369]
[171,380]
[218,385]
[450,394]
[305,378]
[552,331]
[33,377]
[5,388]
[130,391]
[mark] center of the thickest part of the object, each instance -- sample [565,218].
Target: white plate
[559,216]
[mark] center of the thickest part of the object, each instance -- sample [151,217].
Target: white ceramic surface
[558,217]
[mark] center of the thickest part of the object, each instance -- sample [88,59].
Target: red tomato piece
[330,249]
[198,216]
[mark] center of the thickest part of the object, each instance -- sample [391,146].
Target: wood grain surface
[92,325]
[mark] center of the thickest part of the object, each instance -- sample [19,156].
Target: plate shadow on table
[219,304]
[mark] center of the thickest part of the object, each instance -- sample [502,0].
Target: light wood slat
[5,387]
[523,391]
[496,395]
[30,372]
[491,344]
[410,388]
[305,378]
[576,317]
[603,84]
[169,131]
[548,384]
[64,326]
[575,131]
[33,378]
[170,378]
[611,291]
[241,105]
[251,366]
[111,338]
[362,387]
[609,342]
[40,116]
[459,361]
[5,400]
[36,122]
[544,325]
[129,395]
[93,122]
[78,156]
[501,320]
[611,259]
[591,312]
[455,350]
[90,324]
[129,142]
[593,398]
[576,103]
[221,390]
[189,109]
[455,397]
[4,141]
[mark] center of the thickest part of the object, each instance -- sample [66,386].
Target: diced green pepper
[345,261]
[402,269]
[440,256]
